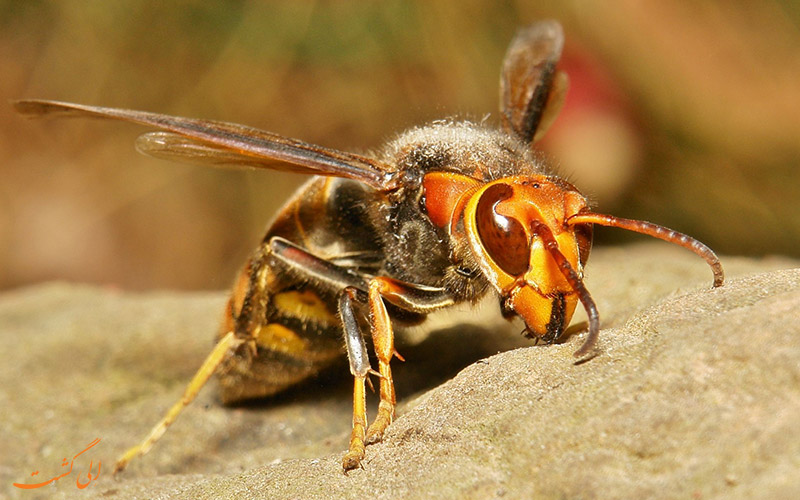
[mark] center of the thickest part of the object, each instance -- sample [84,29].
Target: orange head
[531,236]
[517,228]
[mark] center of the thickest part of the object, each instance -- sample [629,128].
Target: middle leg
[409,297]
[383,343]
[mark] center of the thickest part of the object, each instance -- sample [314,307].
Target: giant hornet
[446,214]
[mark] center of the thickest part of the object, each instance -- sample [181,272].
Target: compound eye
[503,238]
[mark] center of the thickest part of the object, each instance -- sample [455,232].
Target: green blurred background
[683,113]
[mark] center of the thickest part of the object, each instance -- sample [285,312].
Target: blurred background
[683,113]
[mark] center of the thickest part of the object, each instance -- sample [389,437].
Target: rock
[694,393]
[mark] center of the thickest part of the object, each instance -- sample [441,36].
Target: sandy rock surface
[695,393]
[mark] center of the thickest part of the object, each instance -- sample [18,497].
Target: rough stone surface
[695,393]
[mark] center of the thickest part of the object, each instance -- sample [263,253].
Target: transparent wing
[175,147]
[531,90]
[221,143]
